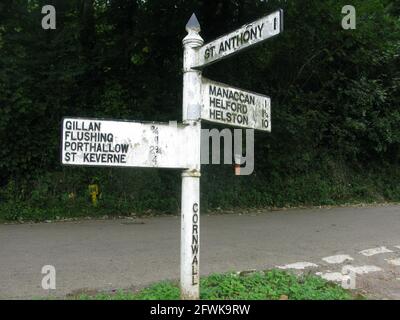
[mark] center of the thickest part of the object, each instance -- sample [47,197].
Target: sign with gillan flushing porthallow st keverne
[95,142]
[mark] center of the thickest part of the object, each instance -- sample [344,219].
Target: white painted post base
[190,235]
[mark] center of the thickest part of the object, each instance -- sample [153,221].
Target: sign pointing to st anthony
[242,38]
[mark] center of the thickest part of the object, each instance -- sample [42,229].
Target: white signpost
[95,142]
[235,107]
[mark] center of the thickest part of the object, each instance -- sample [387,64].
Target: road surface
[110,254]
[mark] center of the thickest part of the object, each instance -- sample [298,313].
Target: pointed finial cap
[193,24]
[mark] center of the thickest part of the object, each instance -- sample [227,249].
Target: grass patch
[269,285]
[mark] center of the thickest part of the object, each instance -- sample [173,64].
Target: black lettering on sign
[195,244]
[89,136]
[237,40]
[230,94]
[209,52]
[231,105]
[103,158]
[83,126]
[155,150]
[84,142]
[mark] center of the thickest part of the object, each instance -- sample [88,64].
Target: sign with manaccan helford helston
[235,107]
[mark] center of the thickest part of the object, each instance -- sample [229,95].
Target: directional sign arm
[235,107]
[240,39]
[96,142]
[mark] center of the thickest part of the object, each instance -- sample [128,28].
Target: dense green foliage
[271,285]
[335,101]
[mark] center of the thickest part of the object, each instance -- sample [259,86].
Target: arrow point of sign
[193,24]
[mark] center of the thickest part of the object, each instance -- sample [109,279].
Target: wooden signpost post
[96,142]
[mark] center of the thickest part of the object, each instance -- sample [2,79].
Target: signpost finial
[193,24]
[193,38]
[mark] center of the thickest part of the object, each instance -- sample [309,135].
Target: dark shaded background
[335,102]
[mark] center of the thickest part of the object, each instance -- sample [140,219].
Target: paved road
[109,254]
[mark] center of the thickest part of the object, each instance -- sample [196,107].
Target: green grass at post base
[269,285]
